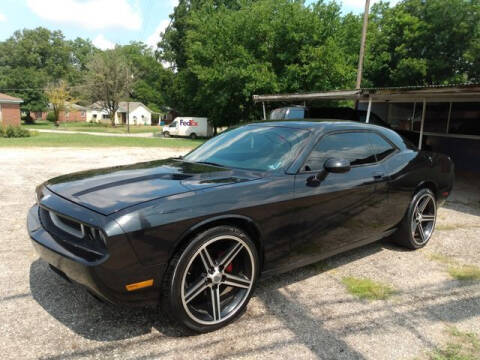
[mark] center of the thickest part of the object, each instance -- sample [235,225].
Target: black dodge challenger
[194,234]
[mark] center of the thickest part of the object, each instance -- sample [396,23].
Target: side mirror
[337,165]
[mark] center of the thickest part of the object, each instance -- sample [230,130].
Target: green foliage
[151,79]
[368,289]
[229,50]
[91,141]
[51,116]
[461,346]
[464,272]
[109,80]
[13,132]
[421,42]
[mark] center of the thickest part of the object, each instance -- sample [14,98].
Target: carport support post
[264,111]
[369,110]
[422,123]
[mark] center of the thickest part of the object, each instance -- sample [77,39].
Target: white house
[137,113]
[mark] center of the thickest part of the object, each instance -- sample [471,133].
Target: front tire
[166,134]
[416,228]
[209,283]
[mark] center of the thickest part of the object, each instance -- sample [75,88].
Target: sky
[105,22]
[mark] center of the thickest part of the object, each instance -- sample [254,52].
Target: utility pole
[362,45]
[128,116]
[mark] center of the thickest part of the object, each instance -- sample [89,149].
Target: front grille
[82,240]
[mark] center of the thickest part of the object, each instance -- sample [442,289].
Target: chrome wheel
[423,219]
[218,280]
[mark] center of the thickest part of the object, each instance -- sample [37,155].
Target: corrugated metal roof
[443,91]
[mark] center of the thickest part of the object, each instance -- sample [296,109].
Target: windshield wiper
[209,163]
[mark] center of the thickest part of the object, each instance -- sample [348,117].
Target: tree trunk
[112,119]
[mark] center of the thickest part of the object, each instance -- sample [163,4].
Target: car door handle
[378,176]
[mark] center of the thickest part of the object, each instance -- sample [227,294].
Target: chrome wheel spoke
[206,259]
[236,281]
[421,231]
[195,290]
[428,218]
[210,275]
[422,206]
[230,255]
[216,308]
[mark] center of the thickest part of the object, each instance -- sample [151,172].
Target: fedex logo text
[188,123]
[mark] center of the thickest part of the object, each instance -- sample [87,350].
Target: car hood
[112,189]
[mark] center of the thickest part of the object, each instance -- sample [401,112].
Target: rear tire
[209,282]
[416,228]
[193,136]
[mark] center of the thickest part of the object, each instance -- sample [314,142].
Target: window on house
[105,116]
[94,116]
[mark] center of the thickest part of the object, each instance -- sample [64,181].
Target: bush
[13,132]
[51,116]
[27,119]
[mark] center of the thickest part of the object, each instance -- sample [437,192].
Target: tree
[152,79]
[60,99]
[109,80]
[233,52]
[31,59]
[421,42]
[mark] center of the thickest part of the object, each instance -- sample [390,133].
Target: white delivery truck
[192,127]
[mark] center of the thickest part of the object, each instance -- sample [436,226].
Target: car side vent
[67,225]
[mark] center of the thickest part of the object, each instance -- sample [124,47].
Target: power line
[37,89]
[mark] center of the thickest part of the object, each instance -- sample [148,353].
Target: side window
[354,147]
[380,146]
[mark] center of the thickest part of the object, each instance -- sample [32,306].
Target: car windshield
[262,148]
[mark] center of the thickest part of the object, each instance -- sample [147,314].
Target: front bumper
[106,278]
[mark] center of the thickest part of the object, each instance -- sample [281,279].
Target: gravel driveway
[306,313]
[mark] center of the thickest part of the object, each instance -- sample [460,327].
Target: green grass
[91,127]
[457,271]
[464,272]
[368,289]
[462,346]
[83,140]
[446,227]
[443,259]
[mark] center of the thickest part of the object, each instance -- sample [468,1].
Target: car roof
[317,124]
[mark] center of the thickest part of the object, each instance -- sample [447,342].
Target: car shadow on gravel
[73,307]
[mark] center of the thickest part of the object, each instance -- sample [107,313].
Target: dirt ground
[306,313]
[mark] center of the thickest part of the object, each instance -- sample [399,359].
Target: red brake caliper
[229,267]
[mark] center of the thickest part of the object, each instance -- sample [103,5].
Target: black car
[196,233]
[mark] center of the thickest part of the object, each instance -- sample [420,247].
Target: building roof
[72,107]
[406,93]
[4,98]
[122,106]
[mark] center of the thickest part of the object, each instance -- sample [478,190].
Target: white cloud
[103,43]
[2,18]
[90,14]
[153,39]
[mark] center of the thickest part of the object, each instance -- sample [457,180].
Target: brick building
[75,113]
[9,110]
